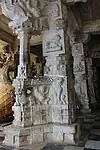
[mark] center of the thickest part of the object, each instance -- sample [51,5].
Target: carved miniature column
[23,78]
[80,77]
[24,56]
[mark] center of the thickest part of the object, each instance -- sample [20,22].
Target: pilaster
[79,68]
[91,91]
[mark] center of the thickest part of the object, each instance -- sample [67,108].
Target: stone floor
[93,142]
[89,141]
[43,147]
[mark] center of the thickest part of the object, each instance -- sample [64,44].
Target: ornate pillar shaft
[80,76]
[22,80]
[23,47]
[24,54]
[95,84]
[91,91]
[58,68]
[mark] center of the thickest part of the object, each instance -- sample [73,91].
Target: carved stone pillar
[22,81]
[45,108]
[95,84]
[90,87]
[58,68]
[80,77]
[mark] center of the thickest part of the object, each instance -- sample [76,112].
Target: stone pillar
[57,53]
[90,87]
[22,81]
[15,133]
[45,108]
[80,77]
[95,84]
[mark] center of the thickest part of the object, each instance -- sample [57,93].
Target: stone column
[80,77]
[95,83]
[90,87]
[58,68]
[18,133]
[22,80]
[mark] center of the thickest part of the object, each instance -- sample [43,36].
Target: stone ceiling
[88,15]
[89,11]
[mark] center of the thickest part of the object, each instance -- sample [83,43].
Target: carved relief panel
[53,42]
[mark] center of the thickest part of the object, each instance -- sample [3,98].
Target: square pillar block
[47,133]
[48,118]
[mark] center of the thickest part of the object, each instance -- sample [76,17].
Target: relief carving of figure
[54,44]
[40,94]
[57,91]
[61,91]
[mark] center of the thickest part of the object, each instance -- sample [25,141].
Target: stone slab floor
[91,142]
[44,147]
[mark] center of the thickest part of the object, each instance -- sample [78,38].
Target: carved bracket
[22,11]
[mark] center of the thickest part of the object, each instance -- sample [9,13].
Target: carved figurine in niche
[6,90]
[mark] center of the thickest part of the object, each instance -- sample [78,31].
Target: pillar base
[48,133]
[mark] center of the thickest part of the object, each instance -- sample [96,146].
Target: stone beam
[75,1]
[92,26]
[6,37]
